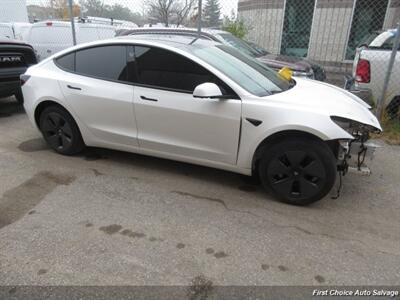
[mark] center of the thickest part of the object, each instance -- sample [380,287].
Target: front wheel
[60,131]
[298,171]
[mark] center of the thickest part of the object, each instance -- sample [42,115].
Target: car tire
[60,131]
[19,96]
[298,171]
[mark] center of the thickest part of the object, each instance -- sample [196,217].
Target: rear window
[67,62]
[106,62]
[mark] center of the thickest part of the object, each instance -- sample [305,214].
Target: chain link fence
[323,39]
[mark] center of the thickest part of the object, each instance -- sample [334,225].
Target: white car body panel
[214,128]
[207,132]
[93,102]
[6,31]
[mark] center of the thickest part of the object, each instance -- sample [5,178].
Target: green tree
[235,26]
[212,13]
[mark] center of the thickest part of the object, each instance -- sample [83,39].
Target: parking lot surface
[112,218]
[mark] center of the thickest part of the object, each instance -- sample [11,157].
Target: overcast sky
[137,5]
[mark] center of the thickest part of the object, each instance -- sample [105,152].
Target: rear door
[98,91]
[170,120]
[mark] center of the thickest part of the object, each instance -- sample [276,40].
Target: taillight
[49,23]
[363,71]
[24,78]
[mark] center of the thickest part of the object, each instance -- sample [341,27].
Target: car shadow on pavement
[175,168]
[9,107]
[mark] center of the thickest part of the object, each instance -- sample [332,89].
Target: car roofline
[210,33]
[127,40]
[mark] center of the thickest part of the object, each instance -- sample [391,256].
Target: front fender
[275,121]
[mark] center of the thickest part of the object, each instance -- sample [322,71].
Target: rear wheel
[298,171]
[60,131]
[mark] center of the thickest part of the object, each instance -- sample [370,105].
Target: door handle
[148,99]
[74,87]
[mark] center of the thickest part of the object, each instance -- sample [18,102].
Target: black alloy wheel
[296,174]
[60,131]
[298,171]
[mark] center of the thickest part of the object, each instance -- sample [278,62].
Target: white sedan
[199,102]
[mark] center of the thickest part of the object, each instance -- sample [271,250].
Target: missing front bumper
[357,156]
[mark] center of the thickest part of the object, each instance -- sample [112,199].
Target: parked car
[21,30]
[200,102]
[6,31]
[15,58]
[51,37]
[17,31]
[299,66]
[369,69]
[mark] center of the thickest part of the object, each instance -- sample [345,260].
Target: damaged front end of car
[353,153]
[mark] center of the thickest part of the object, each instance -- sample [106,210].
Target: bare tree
[168,11]
[183,9]
[161,10]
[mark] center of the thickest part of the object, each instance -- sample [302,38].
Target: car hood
[328,99]
[279,61]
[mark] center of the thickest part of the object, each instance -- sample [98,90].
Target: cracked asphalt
[114,218]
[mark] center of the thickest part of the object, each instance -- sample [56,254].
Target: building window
[369,16]
[297,27]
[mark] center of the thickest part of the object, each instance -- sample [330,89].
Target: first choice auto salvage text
[356,292]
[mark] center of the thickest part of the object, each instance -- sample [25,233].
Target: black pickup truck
[15,58]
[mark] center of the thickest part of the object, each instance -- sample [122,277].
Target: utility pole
[71,15]
[381,100]
[199,21]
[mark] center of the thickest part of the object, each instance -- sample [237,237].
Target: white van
[21,30]
[6,31]
[87,32]
[50,37]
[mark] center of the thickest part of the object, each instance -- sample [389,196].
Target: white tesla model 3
[200,102]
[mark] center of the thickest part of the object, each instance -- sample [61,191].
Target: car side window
[67,62]
[104,62]
[164,69]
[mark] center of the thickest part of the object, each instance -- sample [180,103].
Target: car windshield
[246,71]
[239,44]
[258,48]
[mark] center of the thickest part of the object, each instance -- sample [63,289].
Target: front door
[170,120]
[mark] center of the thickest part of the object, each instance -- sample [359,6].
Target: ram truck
[15,58]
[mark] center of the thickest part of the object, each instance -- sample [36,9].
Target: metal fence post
[381,100]
[199,21]
[71,15]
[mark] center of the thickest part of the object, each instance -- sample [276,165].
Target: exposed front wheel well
[286,135]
